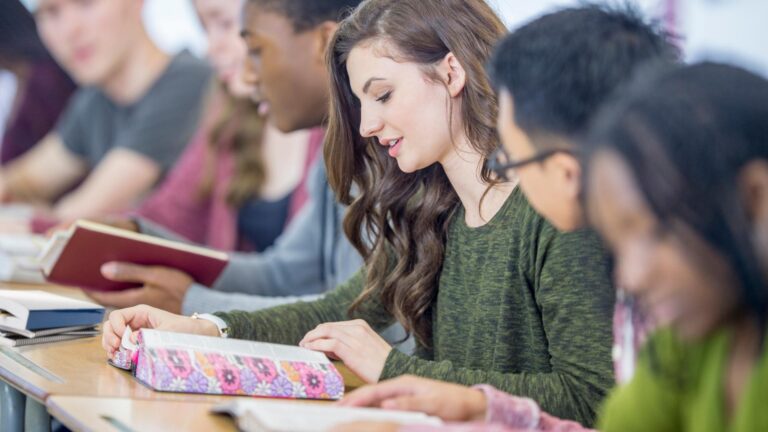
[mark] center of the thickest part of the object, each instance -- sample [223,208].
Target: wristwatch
[220,323]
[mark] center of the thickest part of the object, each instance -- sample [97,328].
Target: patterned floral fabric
[190,371]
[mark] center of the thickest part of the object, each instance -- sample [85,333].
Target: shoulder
[184,65]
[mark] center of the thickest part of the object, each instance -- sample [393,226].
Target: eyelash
[385,97]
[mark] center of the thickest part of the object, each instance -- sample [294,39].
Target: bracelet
[220,323]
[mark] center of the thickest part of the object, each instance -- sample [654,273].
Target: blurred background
[725,30]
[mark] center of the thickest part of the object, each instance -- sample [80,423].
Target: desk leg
[38,419]
[12,408]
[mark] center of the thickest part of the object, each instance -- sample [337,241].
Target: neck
[136,73]
[463,167]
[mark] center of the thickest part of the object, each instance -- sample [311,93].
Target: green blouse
[680,387]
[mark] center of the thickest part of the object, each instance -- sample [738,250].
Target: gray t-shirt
[159,125]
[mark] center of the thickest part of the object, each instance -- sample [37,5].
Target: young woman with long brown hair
[492,293]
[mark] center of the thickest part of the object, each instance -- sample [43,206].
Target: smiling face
[90,38]
[406,111]
[226,49]
[287,68]
[679,279]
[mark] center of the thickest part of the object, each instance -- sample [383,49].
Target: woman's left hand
[355,343]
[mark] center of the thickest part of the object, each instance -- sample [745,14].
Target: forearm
[560,394]
[289,323]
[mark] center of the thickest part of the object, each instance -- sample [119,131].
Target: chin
[408,167]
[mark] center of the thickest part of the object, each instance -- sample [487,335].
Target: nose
[370,123]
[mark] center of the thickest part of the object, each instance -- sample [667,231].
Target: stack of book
[33,317]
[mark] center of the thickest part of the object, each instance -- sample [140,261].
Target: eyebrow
[369,82]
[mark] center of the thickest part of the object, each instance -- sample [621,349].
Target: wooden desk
[87,414]
[81,371]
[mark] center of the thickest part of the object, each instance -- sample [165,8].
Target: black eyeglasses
[500,162]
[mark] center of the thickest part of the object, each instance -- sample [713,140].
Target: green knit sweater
[519,306]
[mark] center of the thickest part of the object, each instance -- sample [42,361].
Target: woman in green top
[492,292]
[678,186]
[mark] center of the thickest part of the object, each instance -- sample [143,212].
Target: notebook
[176,362]
[16,341]
[36,310]
[75,256]
[274,416]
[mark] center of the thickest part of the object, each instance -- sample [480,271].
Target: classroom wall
[730,30]
[726,30]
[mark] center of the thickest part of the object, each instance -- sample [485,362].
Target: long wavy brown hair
[399,221]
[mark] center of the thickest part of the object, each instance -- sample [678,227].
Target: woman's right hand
[144,316]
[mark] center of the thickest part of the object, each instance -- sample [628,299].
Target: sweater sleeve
[575,296]
[652,399]
[288,324]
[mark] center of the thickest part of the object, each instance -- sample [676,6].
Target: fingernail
[109,269]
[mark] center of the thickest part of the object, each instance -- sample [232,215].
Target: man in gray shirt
[136,110]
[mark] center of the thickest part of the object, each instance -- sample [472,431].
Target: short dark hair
[18,33]
[306,14]
[561,67]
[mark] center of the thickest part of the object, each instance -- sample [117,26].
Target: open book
[177,362]
[274,416]
[75,256]
[36,310]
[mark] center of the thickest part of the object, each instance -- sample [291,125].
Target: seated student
[490,290]
[677,184]
[43,89]
[131,120]
[240,181]
[547,102]
[212,195]
[287,42]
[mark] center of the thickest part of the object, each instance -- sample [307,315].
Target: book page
[161,339]
[261,415]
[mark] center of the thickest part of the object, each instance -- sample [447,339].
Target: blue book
[35,310]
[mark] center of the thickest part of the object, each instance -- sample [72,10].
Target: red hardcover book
[74,257]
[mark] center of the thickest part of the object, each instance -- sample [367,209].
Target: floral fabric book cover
[176,362]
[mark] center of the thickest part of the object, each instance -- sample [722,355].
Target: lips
[393,144]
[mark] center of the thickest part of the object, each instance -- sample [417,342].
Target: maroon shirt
[43,99]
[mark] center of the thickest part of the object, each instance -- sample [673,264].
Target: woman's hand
[144,316]
[450,402]
[355,343]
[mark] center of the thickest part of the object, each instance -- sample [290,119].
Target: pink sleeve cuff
[511,411]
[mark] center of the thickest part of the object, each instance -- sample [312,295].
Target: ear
[753,184]
[323,34]
[453,74]
[569,169]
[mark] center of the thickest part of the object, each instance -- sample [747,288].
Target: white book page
[274,416]
[161,339]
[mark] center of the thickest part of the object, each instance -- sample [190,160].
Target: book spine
[190,371]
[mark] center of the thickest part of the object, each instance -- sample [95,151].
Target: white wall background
[726,30]
[729,30]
